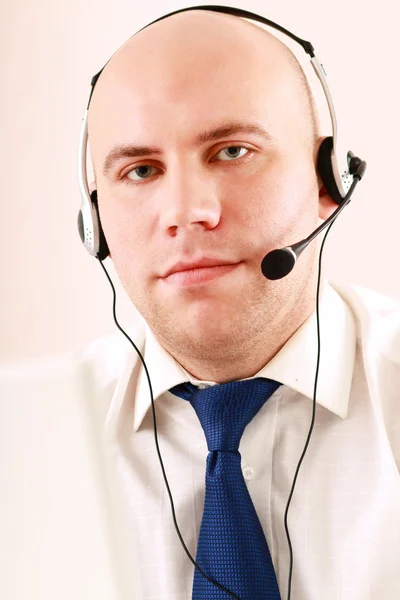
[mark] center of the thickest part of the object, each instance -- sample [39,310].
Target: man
[219,168]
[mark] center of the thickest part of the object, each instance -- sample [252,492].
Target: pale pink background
[54,296]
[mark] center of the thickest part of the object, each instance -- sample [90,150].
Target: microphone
[278,263]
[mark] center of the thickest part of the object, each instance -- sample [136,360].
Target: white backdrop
[54,296]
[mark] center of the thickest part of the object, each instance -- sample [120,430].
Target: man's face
[208,183]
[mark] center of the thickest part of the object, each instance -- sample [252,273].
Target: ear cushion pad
[103,246]
[325,170]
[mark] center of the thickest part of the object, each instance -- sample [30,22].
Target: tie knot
[225,409]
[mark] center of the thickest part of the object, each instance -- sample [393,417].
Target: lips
[198,264]
[200,275]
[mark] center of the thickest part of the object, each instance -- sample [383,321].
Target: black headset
[339,175]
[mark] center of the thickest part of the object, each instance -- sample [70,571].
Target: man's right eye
[140,173]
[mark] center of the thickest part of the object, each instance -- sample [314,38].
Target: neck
[250,358]
[239,347]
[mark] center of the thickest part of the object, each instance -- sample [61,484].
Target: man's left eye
[232,152]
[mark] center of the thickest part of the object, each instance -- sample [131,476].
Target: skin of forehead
[189,38]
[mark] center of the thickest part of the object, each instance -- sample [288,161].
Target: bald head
[176,50]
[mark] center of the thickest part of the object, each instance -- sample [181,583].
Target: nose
[190,199]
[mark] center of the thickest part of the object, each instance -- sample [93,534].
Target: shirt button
[202,386]
[248,473]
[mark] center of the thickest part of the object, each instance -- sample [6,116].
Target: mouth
[199,275]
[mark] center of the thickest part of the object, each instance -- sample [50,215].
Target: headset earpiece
[325,169]
[103,246]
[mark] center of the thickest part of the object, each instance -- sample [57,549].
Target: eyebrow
[211,135]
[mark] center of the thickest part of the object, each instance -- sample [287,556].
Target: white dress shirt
[344,517]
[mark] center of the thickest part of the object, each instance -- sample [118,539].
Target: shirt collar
[294,365]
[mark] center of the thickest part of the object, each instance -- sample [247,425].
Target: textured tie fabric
[232,548]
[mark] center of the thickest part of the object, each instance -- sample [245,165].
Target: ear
[326,205]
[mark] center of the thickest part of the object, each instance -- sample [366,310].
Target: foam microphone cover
[278,263]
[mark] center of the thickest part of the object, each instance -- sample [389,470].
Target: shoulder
[377,318]
[95,366]
[105,356]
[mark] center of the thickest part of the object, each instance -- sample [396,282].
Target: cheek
[280,204]
[121,224]
[127,239]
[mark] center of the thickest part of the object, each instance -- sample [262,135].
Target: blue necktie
[232,548]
